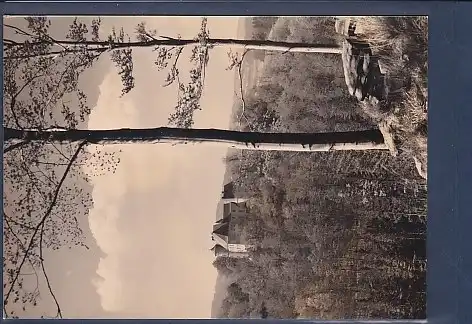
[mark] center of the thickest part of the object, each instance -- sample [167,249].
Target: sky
[151,219]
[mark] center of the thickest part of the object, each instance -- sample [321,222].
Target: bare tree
[168,49]
[149,38]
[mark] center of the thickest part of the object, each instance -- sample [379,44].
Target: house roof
[217,225]
[225,219]
[220,240]
[222,229]
[218,249]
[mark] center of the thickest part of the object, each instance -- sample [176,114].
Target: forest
[335,234]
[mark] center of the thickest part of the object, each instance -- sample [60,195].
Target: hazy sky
[152,218]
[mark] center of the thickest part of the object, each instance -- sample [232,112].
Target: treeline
[261,26]
[302,92]
[329,244]
[338,234]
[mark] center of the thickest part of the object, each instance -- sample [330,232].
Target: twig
[56,163]
[59,151]
[15,96]
[15,146]
[58,307]
[40,226]
[39,171]
[173,70]
[7,220]
[15,116]
[24,33]
[32,175]
[99,50]
[63,74]
[10,42]
[167,37]
[203,67]
[243,111]
[19,30]
[150,36]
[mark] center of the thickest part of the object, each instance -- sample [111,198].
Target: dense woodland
[336,234]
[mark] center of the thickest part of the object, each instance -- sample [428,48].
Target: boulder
[361,70]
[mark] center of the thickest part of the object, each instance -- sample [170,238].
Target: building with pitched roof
[228,194]
[226,233]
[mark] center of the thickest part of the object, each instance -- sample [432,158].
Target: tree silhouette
[45,188]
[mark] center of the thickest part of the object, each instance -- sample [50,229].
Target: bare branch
[56,163]
[32,175]
[43,268]
[174,72]
[168,38]
[59,151]
[24,33]
[20,243]
[19,30]
[98,50]
[243,101]
[203,67]
[41,224]
[15,146]
[31,172]
[13,112]
[23,87]
[64,73]
[9,219]
[10,42]
[26,167]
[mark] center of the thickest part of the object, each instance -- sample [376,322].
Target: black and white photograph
[188,167]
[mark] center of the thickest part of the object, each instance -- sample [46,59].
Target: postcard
[215,167]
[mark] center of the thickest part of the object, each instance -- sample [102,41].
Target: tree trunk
[358,140]
[264,45]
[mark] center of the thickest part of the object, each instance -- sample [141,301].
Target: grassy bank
[402,46]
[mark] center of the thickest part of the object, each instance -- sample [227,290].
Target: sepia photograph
[249,167]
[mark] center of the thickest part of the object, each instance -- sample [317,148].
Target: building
[228,194]
[226,233]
